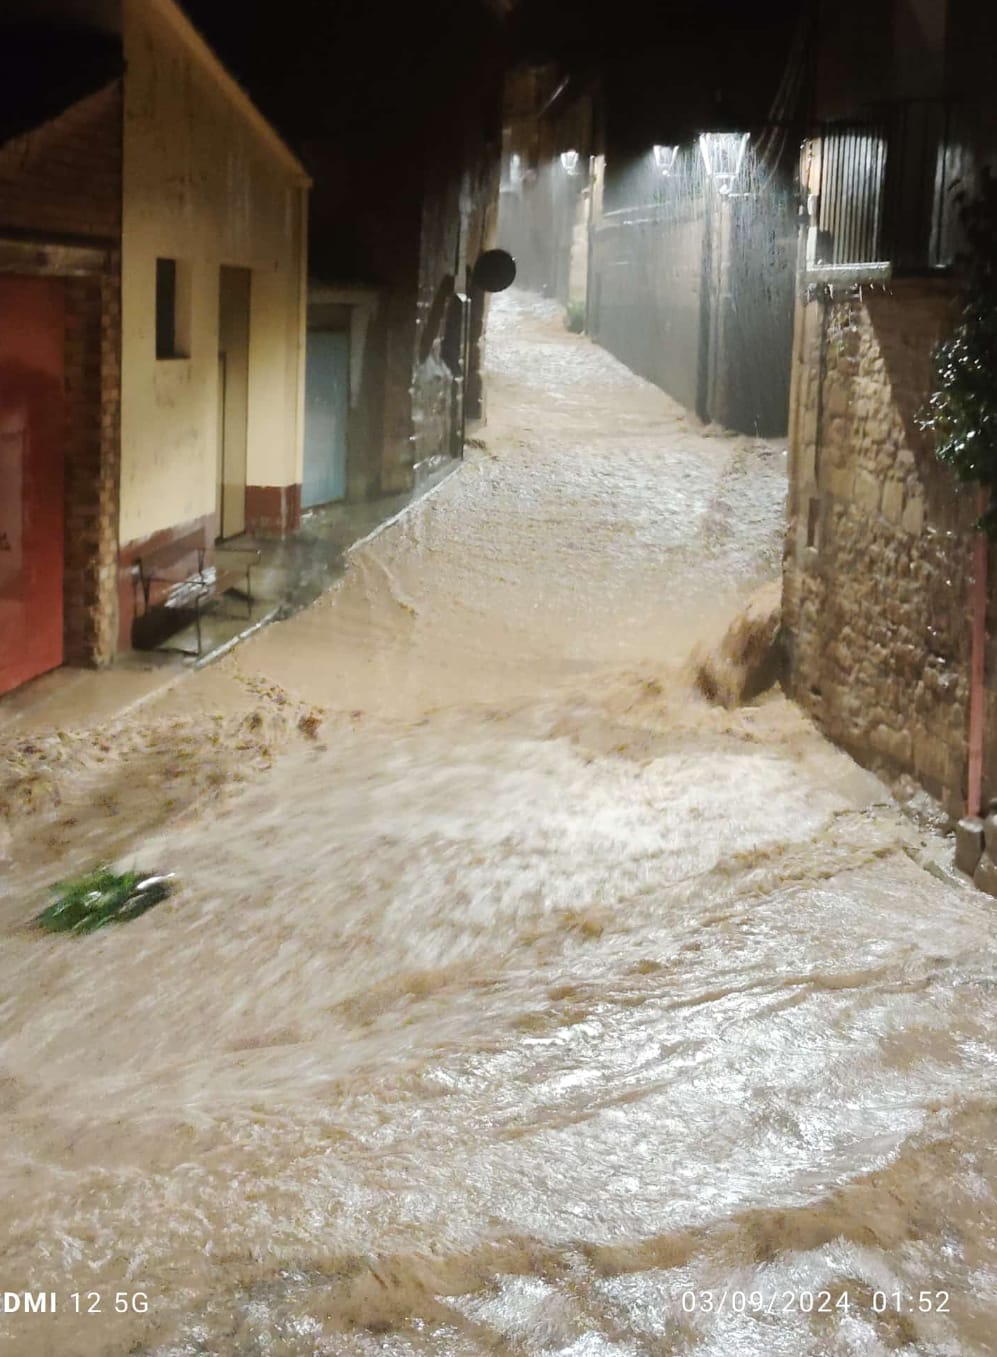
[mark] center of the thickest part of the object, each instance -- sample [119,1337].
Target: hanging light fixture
[569,162]
[723,155]
[664,158]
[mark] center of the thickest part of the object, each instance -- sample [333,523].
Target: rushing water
[516,1001]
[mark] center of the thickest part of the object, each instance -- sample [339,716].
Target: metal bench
[177,582]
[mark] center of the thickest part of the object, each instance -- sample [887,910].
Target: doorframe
[363,303]
[343,332]
[220,449]
[225,530]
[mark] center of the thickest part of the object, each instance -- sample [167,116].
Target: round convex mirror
[494,271]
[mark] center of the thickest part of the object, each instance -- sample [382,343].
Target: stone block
[969,840]
[985,876]
[893,500]
[836,399]
[867,490]
[913,516]
[931,756]
[836,445]
[990,833]
[839,481]
[896,744]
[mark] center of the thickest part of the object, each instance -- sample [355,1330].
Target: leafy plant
[962,410]
[575,317]
[101,897]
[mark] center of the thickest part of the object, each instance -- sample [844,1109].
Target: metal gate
[327,399]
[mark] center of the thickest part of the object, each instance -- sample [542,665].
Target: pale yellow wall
[205,185]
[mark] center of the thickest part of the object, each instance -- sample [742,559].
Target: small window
[172,310]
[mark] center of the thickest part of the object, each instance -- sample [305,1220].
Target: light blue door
[327,398]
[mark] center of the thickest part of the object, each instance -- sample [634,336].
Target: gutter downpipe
[978,615]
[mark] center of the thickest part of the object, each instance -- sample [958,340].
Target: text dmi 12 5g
[78,1302]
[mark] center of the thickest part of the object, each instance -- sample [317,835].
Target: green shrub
[575,317]
[962,410]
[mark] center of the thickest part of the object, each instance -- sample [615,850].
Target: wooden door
[32,345]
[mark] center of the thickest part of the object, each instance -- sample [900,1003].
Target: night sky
[347,66]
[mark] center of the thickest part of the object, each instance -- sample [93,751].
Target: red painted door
[32,344]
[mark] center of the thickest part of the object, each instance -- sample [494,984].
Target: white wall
[204,183]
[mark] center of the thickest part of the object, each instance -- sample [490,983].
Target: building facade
[880,541]
[152,319]
[403,147]
[213,301]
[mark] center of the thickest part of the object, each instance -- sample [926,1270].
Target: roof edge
[205,55]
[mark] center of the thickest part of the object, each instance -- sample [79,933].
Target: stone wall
[541,203]
[693,290]
[879,540]
[645,302]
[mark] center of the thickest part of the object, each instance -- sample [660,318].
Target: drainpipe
[703,384]
[978,614]
[465,358]
[826,296]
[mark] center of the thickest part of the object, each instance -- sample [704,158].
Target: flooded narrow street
[514,999]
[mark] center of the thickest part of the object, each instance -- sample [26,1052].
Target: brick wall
[93,394]
[64,178]
[879,541]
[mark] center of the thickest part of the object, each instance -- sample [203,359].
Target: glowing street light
[569,162]
[723,155]
[664,158]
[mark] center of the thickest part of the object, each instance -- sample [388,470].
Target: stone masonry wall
[879,541]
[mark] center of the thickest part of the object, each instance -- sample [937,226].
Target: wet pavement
[514,999]
[290,573]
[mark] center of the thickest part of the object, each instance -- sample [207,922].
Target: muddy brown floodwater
[514,1000]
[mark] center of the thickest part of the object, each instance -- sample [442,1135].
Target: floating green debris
[102,897]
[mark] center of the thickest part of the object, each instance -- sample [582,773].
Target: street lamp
[664,158]
[723,155]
